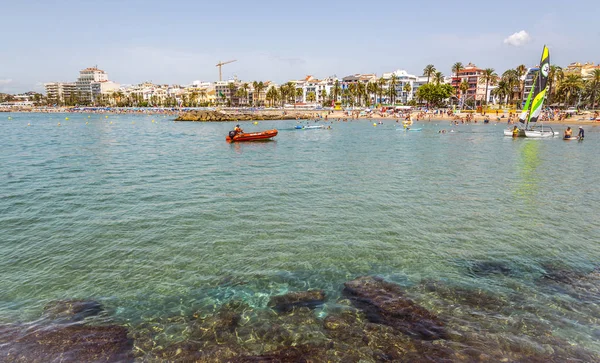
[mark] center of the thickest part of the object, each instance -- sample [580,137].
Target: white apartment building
[403,79]
[103,88]
[60,92]
[311,84]
[84,83]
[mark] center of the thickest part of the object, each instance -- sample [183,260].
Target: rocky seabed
[373,320]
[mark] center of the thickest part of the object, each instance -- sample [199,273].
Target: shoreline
[585,117]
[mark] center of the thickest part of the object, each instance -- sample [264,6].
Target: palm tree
[272,95]
[380,86]
[311,97]
[336,90]
[232,90]
[120,96]
[347,96]
[510,76]
[195,94]
[521,71]
[555,75]
[258,88]
[489,77]
[428,71]
[594,86]
[570,87]
[291,91]
[464,87]
[457,67]
[245,87]
[239,94]
[438,78]
[392,88]
[391,93]
[503,90]
[256,92]
[360,92]
[372,90]
[351,90]
[323,95]
[202,93]
[299,93]
[407,88]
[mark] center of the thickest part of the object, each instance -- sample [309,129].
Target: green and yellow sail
[541,87]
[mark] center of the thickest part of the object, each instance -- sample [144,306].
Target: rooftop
[93,69]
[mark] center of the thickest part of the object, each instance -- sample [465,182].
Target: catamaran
[534,104]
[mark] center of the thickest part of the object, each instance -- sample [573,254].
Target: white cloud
[5,81]
[518,39]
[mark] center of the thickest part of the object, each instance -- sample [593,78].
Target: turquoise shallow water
[152,218]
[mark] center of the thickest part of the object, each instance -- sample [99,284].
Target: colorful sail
[523,116]
[540,96]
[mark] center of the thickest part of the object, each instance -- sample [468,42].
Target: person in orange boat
[238,129]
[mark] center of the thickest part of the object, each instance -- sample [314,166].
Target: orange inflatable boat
[251,136]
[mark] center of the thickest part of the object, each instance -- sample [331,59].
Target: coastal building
[260,97]
[315,90]
[585,70]
[84,83]
[358,78]
[403,78]
[324,88]
[528,83]
[148,93]
[226,92]
[202,84]
[16,104]
[61,92]
[103,88]
[198,92]
[471,74]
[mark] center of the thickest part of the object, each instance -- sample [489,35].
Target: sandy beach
[417,116]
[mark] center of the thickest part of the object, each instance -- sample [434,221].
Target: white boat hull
[540,133]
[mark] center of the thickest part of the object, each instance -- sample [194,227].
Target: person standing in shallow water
[581,133]
[568,133]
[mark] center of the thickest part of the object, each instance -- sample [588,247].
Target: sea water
[153,217]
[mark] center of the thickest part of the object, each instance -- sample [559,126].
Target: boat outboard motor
[232,134]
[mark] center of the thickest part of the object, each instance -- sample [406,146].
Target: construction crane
[220,64]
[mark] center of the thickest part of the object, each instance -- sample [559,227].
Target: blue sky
[181,41]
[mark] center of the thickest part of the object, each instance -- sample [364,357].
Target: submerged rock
[486,268]
[582,286]
[558,274]
[288,302]
[300,354]
[473,298]
[68,311]
[385,303]
[65,343]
